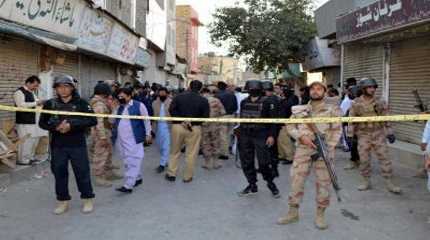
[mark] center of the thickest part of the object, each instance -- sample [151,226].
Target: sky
[205,8]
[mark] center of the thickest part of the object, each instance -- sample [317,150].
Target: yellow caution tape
[393,118]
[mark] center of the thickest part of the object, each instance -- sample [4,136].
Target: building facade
[187,35]
[88,43]
[220,68]
[390,42]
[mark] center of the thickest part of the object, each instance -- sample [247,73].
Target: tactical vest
[26,117]
[375,108]
[252,110]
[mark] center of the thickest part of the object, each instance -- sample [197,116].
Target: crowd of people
[269,144]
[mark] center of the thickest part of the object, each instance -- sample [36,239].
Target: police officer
[372,136]
[257,139]
[275,103]
[68,143]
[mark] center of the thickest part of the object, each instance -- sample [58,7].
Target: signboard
[95,31]
[58,16]
[381,16]
[123,45]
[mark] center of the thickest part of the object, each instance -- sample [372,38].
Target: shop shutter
[70,66]
[94,70]
[364,60]
[410,70]
[19,59]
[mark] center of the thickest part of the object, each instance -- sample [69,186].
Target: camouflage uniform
[302,163]
[371,136]
[211,142]
[102,155]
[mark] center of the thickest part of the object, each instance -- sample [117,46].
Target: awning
[39,36]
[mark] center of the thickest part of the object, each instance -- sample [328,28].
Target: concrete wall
[121,9]
[325,16]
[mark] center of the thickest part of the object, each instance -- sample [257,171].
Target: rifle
[323,153]
[420,104]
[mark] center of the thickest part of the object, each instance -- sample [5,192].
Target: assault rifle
[324,154]
[420,104]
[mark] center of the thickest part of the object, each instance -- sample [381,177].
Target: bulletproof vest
[375,108]
[252,110]
[58,105]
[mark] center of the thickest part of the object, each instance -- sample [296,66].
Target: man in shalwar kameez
[129,136]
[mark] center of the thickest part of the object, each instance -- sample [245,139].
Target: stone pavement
[209,208]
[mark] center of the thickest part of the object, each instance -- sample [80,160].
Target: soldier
[372,136]
[306,149]
[256,139]
[101,136]
[211,142]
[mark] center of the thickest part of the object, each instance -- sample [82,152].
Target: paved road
[209,208]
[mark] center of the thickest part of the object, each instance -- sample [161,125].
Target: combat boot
[102,182]
[87,205]
[320,222]
[61,208]
[113,175]
[351,166]
[391,187]
[217,164]
[207,164]
[365,185]
[291,217]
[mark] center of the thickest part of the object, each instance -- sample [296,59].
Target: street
[209,208]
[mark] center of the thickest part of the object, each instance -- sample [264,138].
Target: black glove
[391,138]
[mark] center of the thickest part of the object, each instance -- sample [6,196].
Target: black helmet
[64,79]
[253,85]
[102,89]
[267,85]
[367,82]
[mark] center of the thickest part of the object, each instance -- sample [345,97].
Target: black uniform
[69,146]
[275,108]
[253,139]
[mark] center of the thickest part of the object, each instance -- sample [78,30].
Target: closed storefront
[19,60]
[410,70]
[364,61]
[93,70]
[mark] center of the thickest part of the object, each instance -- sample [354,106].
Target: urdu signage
[59,16]
[384,15]
[93,30]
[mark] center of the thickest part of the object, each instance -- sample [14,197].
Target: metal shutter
[19,59]
[70,66]
[92,71]
[410,70]
[364,60]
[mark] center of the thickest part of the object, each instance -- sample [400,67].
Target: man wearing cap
[101,137]
[68,143]
[372,136]
[257,139]
[303,159]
